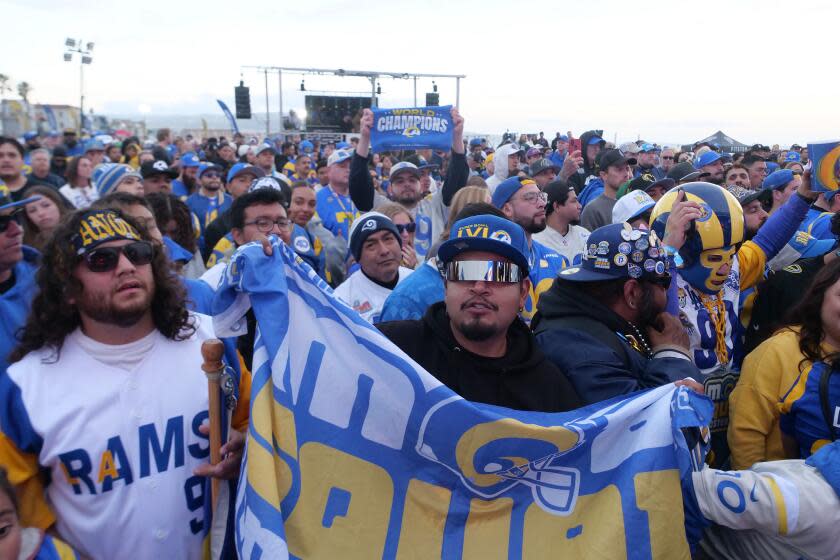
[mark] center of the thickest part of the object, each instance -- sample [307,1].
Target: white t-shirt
[570,245]
[79,197]
[118,431]
[366,296]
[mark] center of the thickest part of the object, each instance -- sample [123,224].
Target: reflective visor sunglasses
[6,220]
[410,227]
[487,271]
[105,259]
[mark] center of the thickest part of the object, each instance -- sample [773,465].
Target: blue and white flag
[355,451]
[229,115]
[51,120]
[411,128]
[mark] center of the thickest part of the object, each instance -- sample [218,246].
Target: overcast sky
[666,71]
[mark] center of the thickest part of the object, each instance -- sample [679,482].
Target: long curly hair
[53,317]
[168,207]
[807,315]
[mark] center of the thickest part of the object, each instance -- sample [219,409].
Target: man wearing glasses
[474,341]
[376,244]
[666,160]
[210,200]
[604,324]
[523,203]
[18,265]
[108,368]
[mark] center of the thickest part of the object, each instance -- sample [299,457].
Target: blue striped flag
[233,126]
[354,451]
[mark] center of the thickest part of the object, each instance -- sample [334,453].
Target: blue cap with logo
[242,168]
[342,146]
[94,146]
[778,179]
[507,188]
[189,159]
[809,246]
[793,156]
[619,251]
[706,158]
[648,148]
[488,233]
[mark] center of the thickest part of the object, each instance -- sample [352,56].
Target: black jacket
[578,180]
[588,342]
[522,379]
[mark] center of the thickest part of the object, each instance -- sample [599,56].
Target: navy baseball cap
[475,142]
[241,168]
[705,159]
[619,251]
[489,233]
[507,189]
[207,167]
[595,140]
[778,179]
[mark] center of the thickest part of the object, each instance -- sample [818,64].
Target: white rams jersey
[366,296]
[120,446]
[784,510]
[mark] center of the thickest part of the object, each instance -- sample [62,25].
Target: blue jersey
[336,211]
[802,412]
[208,209]
[304,245]
[545,264]
[412,296]
[180,190]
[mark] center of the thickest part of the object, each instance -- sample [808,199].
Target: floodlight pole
[84,53]
[267,117]
[280,97]
[81,96]
[415,91]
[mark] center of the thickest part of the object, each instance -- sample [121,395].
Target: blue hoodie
[16,302]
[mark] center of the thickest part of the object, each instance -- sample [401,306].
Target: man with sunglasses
[666,160]
[211,199]
[523,203]
[18,265]
[376,244]
[474,341]
[106,395]
[604,324]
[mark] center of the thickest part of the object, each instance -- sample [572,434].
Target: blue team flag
[411,128]
[229,115]
[354,451]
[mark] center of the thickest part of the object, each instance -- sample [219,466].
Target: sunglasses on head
[410,227]
[105,259]
[7,219]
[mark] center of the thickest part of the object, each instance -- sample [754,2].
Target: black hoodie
[522,379]
[578,180]
[587,341]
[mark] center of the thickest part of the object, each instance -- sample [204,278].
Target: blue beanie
[107,176]
[368,224]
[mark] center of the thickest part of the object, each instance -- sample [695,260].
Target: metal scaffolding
[371,75]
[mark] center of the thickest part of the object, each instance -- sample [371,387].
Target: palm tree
[4,84]
[24,89]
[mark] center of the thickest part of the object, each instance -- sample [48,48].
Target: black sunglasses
[410,227]
[105,259]
[6,220]
[663,281]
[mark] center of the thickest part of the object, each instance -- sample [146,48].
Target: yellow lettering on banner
[658,493]
[595,529]
[361,532]
[273,422]
[101,228]
[423,521]
[487,532]
[107,466]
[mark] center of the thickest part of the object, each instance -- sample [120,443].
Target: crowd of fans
[535,274]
